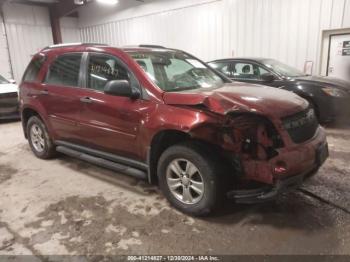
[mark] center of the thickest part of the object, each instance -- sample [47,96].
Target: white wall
[5,69]
[70,30]
[288,30]
[28,30]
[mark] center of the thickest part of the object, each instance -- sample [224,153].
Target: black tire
[209,170]
[48,148]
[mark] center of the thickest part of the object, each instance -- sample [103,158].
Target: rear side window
[64,71]
[33,69]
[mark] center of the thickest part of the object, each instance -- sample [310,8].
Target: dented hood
[238,97]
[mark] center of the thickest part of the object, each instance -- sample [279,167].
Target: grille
[9,95]
[301,126]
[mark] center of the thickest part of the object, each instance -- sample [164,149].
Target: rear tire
[190,180]
[39,139]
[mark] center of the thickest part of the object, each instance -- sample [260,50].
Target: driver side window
[248,71]
[104,68]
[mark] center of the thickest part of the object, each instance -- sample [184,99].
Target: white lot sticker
[195,63]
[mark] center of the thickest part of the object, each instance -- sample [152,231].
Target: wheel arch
[167,138]
[26,114]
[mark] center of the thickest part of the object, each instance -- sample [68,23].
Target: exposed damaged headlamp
[306,118]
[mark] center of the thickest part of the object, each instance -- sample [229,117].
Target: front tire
[190,179]
[39,139]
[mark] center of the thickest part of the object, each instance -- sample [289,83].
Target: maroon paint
[124,126]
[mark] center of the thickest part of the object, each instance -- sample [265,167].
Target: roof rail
[72,44]
[153,46]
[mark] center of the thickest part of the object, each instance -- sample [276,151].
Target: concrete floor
[65,206]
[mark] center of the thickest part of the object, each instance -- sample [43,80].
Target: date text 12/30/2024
[173,258]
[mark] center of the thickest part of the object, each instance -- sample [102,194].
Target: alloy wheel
[37,138]
[185,181]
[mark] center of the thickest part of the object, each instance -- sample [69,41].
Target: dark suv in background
[330,97]
[164,116]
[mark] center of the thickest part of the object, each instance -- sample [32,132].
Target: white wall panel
[346,12]
[28,30]
[5,68]
[288,30]
[70,30]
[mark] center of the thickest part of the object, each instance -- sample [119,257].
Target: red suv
[164,116]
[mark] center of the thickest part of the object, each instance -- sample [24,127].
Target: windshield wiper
[184,88]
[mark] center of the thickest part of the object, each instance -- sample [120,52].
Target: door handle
[86,100]
[44,92]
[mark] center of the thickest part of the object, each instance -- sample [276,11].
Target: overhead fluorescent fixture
[79,2]
[108,2]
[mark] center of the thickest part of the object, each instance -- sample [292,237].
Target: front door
[252,73]
[109,123]
[339,57]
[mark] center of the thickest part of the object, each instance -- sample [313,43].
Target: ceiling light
[108,2]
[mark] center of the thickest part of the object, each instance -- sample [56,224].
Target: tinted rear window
[33,69]
[64,71]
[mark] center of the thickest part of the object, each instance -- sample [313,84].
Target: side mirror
[268,78]
[12,81]
[121,88]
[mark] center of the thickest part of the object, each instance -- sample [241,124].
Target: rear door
[60,95]
[109,123]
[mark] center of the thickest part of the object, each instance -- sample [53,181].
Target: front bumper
[9,112]
[298,158]
[269,193]
[9,106]
[301,161]
[10,116]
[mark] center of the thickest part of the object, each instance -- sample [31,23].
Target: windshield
[176,71]
[282,69]
[3,80]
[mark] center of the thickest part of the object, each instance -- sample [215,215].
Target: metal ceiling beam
[58,10]
[55,27]
[64,7]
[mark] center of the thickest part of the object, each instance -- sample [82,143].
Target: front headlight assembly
[332,91]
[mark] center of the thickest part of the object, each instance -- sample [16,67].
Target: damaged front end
[271,140]
[253,141]
[273,157]
[267,158]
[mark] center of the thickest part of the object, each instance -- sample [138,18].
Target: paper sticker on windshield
[195,63]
